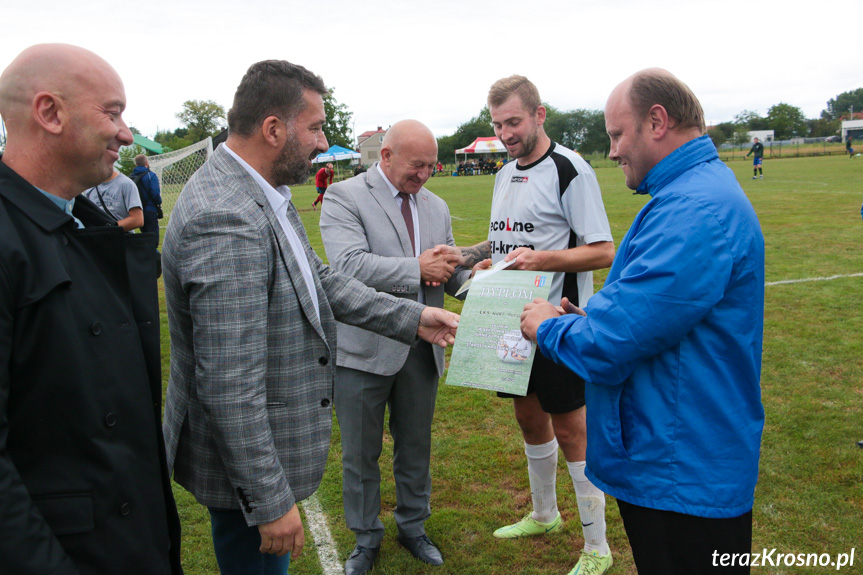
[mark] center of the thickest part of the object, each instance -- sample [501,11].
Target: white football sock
[591,508]
[542,470]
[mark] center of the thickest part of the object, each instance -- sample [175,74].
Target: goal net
[175,168]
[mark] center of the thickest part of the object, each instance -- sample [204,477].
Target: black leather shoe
[422,548]
[361,560]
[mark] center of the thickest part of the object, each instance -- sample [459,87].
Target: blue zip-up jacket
[150,183]
[671,346]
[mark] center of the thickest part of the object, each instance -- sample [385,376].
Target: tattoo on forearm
[475,254]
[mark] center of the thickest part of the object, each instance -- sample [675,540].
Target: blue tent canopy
[336,153]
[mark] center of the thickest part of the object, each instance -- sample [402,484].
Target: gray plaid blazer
[249,403]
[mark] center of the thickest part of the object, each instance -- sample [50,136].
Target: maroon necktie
[409,218]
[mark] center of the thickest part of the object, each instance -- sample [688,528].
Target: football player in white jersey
[547,213]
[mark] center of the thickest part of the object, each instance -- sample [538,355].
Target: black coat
[83,481]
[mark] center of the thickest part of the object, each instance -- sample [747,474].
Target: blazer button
[125,509]
[96,328]
[323,361]
[325,402]
[65,241]
[111,420]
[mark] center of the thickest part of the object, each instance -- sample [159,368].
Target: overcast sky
[434,61]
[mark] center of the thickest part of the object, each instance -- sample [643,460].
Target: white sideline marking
[813,279]
[317,521]
[321,534]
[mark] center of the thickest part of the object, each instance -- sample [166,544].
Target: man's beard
[290,167]
[528,144]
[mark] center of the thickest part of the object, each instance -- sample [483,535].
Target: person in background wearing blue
[670,347]
[151,196]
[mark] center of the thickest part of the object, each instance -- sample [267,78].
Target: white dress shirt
[415,214]
[278,199]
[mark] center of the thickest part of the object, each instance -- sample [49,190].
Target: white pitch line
[813,279]
[317,521]
[324,543]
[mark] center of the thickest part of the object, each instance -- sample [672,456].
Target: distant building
[763,135]
[369,145]
[853,128]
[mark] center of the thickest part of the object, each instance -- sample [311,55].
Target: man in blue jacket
[151,196]
[670,348]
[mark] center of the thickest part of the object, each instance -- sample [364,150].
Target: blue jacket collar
[680,160]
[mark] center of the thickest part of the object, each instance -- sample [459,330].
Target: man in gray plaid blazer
[252,313]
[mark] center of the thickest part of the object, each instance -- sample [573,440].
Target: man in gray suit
[385,229]
[252,313]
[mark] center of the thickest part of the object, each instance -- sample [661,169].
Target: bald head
[63,108]
[408,131]
[408,155]
[61,69]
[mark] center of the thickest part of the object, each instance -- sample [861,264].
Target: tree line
[584,130]
[788,121]
[202,118]
[580,129]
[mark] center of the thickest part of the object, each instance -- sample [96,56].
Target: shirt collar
[65,205]
[390,185]
[23,195]
[277,197]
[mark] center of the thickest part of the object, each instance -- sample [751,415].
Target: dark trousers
[237,546]
[668,543]
[151,222]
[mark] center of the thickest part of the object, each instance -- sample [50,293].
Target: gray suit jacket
[365,237]
[249,404]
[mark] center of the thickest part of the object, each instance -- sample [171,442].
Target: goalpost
[175,168]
